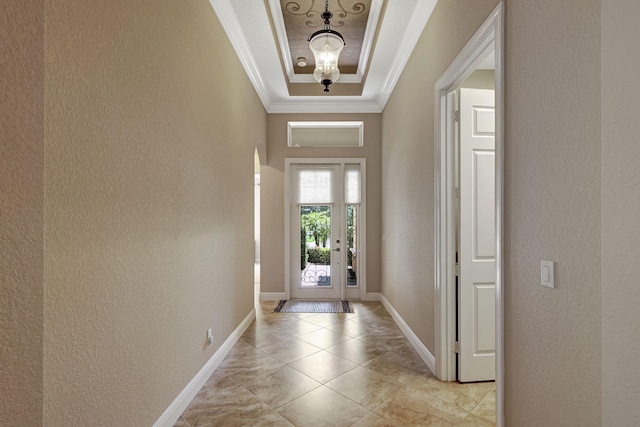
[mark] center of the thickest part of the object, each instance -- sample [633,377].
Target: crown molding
[308,78]
[283,42]
[231,25]
[369,36]
[383,74]
[418,21]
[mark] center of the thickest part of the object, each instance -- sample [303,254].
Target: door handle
[336,249]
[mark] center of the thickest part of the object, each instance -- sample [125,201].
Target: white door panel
[483,193]
[477,246]
[485,303]
[316,209]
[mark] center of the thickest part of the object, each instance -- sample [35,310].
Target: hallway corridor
[332,370]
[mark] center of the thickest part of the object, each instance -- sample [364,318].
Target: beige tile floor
[322,370]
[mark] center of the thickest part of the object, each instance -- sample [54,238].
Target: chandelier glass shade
[326,46]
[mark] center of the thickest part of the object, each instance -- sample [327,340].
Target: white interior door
[477,245]
[316,219]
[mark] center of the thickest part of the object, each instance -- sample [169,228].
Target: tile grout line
[357,364]
[371,338]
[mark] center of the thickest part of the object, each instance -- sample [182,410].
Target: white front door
[316,219]
[477,245]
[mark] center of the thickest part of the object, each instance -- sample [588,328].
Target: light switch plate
[547,274]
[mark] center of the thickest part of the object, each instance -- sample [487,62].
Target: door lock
[337,249]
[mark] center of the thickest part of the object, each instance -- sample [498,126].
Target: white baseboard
[422,350]
[177,407]
[271,296]
[374,296]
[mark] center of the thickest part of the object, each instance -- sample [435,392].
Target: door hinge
[456,269]
[456,193]
[456,115]
[456,347]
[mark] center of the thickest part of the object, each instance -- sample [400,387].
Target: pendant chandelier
[326,45]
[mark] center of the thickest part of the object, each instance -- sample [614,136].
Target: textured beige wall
[408,161]
[151,124]
[552,212]
[552,206]
[620,213]
[272,193]
[21,211]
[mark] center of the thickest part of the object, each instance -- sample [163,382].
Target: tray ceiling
[269,36]
[302,17]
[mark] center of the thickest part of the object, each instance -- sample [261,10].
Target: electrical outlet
[210,336]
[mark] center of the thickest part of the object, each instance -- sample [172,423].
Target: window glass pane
[325,134]
[352,186]
[315,186]
[352,246]
[315,250]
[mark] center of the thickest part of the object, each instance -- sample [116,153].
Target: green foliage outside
[317,222]
[350,227]
[315,226]
[319,256]
[303,248]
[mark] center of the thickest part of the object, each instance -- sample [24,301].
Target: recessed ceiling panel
[257,32]
[302,18]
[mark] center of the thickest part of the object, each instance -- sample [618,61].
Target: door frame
[490,34]
[362,258]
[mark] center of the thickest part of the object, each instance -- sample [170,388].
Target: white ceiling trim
[418,21]
[231,25]
[281,33]
[250,34]
[369,35]
[308,78]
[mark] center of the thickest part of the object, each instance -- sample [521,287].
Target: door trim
[490,34]
[288,162]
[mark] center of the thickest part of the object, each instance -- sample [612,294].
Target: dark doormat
[313,306]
